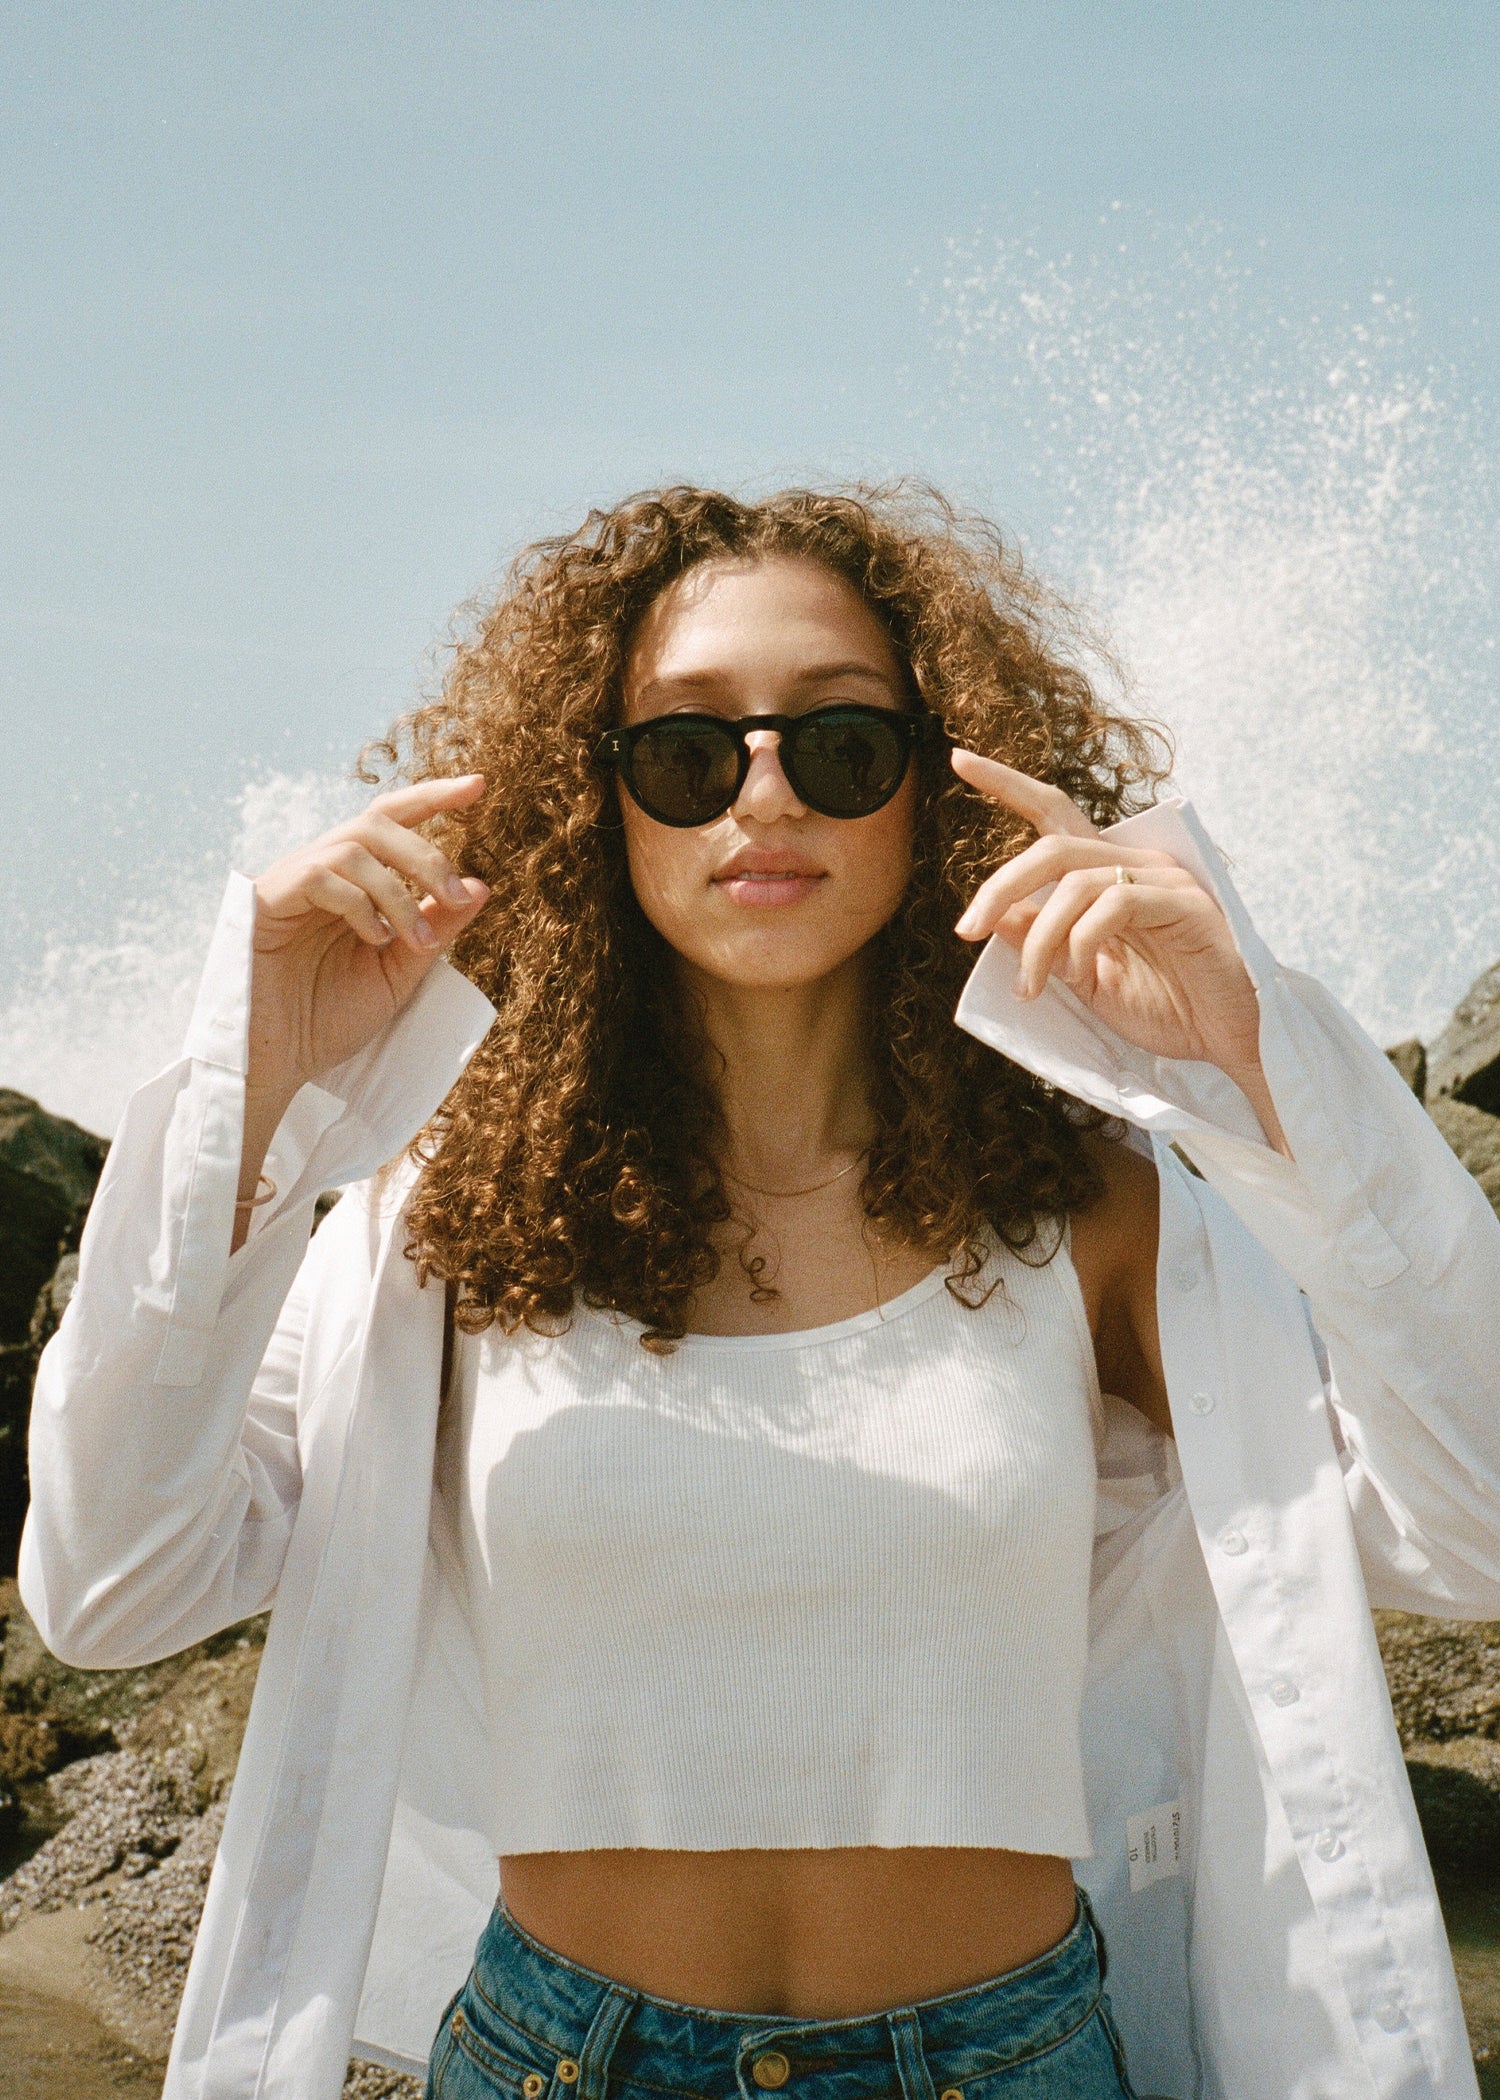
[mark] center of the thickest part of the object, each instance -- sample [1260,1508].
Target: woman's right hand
[342,942]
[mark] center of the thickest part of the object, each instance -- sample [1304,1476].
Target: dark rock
[97,1703]
[17,1369]
[52,1302]
[1410,1060]
[203,1716]
[33,1745]
[49,1169]
[1475,1137]
[1443,1674]
[1456,1786]
[18,1362]
[1465,1059]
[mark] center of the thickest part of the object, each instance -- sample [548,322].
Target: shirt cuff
[358,1115]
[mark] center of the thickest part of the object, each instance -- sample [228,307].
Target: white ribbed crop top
[810,1589]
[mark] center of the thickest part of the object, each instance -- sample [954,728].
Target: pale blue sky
[316,311]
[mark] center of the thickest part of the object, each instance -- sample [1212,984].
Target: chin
[769,966]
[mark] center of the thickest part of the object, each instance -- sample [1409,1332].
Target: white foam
[94,1019]
[1290,528]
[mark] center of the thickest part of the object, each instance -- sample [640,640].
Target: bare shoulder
[1117,1233]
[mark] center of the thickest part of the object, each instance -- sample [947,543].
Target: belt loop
[911,2063]
[605,2029]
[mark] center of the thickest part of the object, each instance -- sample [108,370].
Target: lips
[767,860]
[762,875]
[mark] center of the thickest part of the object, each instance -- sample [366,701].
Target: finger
[1018,922]
[428,798]
[1046,808]
[1048,861]
[1055,921]
[1104,920]
[448,921]
[345,900]
[411,855]
[385,889]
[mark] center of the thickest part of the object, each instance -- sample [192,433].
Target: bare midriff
[817,1934]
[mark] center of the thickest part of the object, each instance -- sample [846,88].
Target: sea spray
[1288,526]
[1287,521]
[93,1019]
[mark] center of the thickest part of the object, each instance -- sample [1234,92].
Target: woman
[799,1579]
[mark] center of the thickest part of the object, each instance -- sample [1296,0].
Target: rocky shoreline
[113,1784]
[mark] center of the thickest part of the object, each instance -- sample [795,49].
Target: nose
[767,793]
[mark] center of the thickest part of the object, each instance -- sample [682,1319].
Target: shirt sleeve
[163,1446]
[1392,1241]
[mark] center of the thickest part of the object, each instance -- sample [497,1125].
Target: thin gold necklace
[784,1195]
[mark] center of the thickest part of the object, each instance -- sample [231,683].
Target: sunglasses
[843,761]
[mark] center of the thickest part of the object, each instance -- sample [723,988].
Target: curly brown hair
[577,1156]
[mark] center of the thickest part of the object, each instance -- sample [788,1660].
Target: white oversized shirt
[212,1434]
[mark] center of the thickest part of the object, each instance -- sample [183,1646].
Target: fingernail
[966,927]
[454,891]
[423,935]
[1019,987]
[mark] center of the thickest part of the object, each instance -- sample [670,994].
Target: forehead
[780,615]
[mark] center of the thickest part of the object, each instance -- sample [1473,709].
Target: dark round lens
[684,772]
[846,762]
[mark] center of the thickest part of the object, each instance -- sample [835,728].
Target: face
[771,894]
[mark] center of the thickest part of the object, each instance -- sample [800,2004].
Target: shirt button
[1285,1694]
[1185,1278]
[1389,2015]
[1328,1844]
[1234,1542]
[770,2070]
[1202,1403]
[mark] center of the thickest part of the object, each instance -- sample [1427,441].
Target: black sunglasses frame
[919,731]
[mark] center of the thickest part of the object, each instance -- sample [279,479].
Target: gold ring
[1123,875]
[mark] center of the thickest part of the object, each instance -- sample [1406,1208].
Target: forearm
[264,1109]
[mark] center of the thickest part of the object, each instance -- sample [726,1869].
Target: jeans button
[532,2084]
[567,2070]
[770,2070]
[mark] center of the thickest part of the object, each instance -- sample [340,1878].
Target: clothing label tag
[1153,1844]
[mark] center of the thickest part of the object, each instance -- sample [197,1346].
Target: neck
[790,1070]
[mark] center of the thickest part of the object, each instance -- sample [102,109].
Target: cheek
[887,853]
[666,870]
[875,858]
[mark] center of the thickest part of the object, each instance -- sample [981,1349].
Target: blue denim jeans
[531,2026]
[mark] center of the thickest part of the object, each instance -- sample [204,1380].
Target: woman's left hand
[1151,954]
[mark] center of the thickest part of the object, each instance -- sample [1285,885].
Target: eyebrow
[820,674]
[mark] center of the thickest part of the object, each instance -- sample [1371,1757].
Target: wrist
[265,1105]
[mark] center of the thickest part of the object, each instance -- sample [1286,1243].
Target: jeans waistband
[591,2026]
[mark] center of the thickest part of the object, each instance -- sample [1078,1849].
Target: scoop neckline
[833,1330]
